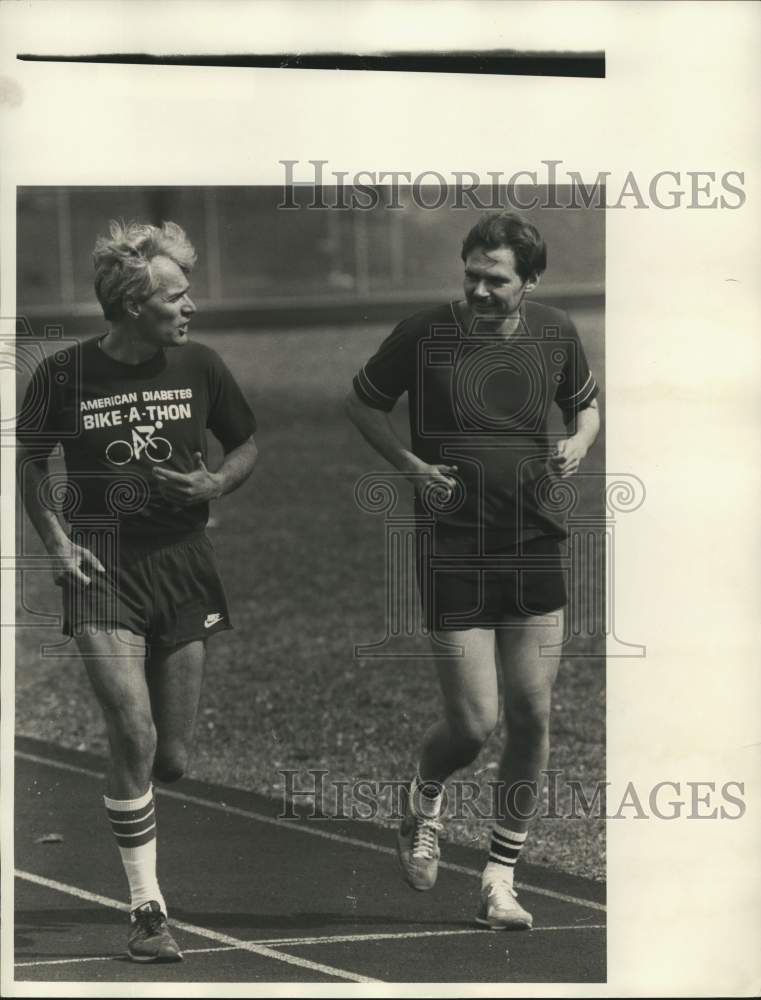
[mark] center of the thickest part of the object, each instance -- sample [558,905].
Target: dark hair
[507,229]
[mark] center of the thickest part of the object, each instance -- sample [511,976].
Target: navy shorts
[170,594]
[458,592]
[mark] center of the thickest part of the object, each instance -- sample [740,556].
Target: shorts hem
[72,631]
[191,636]
[490,624]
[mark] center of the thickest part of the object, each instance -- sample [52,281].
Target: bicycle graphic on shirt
[144,441]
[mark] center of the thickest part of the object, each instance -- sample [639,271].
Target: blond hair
[123,259]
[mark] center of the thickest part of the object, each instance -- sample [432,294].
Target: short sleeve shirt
[482,403]
[118,422]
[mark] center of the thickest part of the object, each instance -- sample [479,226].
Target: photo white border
[682,355]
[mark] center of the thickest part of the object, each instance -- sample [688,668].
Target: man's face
[163,318]
[492,285]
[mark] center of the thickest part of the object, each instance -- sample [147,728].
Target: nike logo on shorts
[212,620]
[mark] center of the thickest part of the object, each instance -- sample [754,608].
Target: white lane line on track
[293,942]
[328,939]
[115,958]
[402,935]
[258,949]
[300,827]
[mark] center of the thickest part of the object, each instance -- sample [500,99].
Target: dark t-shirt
[482,402]
[117,422]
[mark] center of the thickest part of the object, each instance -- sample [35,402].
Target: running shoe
[417,845]
[500,909]
[149,939]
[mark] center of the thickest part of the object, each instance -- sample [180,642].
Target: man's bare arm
[237,466]
[375,427]
[69,560]
[588,425]
[31,471]
[571,450]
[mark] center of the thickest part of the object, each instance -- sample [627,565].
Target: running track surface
[254,898]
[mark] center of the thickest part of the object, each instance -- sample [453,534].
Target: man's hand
[425,477]
[186,488]
[74,563]
[569,453]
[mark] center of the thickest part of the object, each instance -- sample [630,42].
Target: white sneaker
[500,909]
[417,845]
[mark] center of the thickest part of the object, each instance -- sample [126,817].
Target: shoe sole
[177,957]
[162,956]
[483,922]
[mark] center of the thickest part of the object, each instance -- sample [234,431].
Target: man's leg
[115,663]
[469,690]
[174,676]
[529,658]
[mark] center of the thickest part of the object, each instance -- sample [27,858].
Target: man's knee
[132,738]
[171,763]
[528,719]
[472,728]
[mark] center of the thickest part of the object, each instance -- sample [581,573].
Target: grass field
[303,569]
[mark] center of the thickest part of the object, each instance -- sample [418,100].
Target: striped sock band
[503,854]
[133,822]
